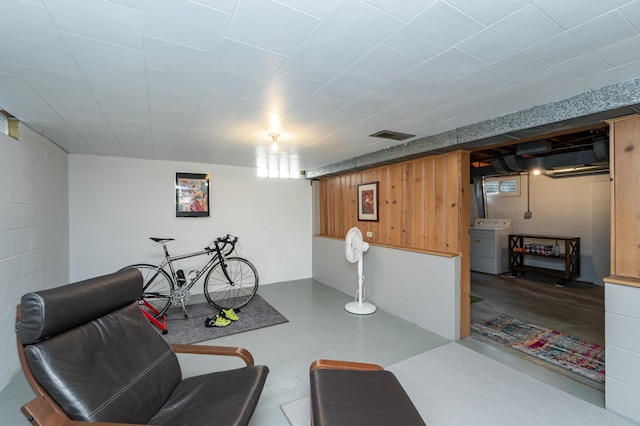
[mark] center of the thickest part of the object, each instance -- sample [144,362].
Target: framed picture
[368,201]
[192,195]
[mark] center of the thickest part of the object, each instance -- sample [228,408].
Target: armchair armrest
[241,353]
[343,365]
[44,412]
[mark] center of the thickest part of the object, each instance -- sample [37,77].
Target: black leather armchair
[91,356]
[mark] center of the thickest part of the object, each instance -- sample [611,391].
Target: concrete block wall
[622,350]
[34,229]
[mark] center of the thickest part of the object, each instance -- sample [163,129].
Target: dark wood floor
[577,309]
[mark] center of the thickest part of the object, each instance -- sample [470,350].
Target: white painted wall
[34,229]
[573,206]
[420,288]
[116,204]
[622,350]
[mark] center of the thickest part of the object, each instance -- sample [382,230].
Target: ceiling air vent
[389,134]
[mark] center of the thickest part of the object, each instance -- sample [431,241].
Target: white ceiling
[201,80]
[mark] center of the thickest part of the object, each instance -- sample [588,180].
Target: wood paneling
[625,203]
[423,204]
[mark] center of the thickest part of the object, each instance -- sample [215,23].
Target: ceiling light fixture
[274,145]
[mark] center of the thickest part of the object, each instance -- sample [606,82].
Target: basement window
[9,125]
[508,186]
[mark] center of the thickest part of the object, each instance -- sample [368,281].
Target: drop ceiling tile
[125,112]
[631,12]
[401,89]
[405,10]
[447,66]
[618,54]
[347,87]
[14,83]
[29,21]
[176,58]
[250,61]
[223,5]
[97,19]
[302,118]
[603,31]
[127,102]
[274,104]
[214,103]
[369,105]
[107,56]
[317,62]
[455,90]
[615,75]
[507,70]
[434,31]
[320,104]
[384,120]
[383,64]
[290,86]
[506,93]
[230,84]
[570,13]
[211,130]
[317,8]
[131,125]
[115,82]
[177,84]
[567,71]
[418,105]
[40,56]
[556,93]
[523,29]
[173,102]
[185,22]
[168,121]
[134,4]
[488,15]
[283,32]
[354,28]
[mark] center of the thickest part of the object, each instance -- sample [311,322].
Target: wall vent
[389,134]
[4,124]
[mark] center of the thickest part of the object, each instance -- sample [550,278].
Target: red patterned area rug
[578,356]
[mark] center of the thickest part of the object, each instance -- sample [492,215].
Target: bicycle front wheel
[157,286]
[234,289]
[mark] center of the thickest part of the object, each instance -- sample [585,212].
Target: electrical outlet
[527,215]
[369,234]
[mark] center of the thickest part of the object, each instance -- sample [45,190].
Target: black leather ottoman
[348,393]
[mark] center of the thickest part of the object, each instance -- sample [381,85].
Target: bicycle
[230,282]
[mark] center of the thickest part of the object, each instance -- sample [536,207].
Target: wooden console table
[571,255]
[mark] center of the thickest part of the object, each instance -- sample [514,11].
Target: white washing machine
[490,245]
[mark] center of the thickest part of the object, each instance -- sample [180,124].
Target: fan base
[360,308]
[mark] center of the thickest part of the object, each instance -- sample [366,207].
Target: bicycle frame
[218,256]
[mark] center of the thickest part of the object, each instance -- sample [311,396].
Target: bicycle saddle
[160,240]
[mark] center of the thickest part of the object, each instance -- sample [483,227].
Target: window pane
[508,186]
[492,187]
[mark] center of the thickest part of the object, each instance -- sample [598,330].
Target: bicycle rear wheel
[157,286]
[235,291]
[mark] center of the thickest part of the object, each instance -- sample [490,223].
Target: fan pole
[360,307]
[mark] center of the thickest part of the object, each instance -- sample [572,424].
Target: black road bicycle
[230,282]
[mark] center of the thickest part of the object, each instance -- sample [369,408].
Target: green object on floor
[475,299]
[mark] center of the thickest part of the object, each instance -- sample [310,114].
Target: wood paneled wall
[624,147]
[423,204]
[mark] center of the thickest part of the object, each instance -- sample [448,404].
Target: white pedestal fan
[354,248]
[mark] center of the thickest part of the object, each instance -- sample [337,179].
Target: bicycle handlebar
[228,240]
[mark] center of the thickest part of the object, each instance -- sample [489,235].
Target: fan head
[354,245]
